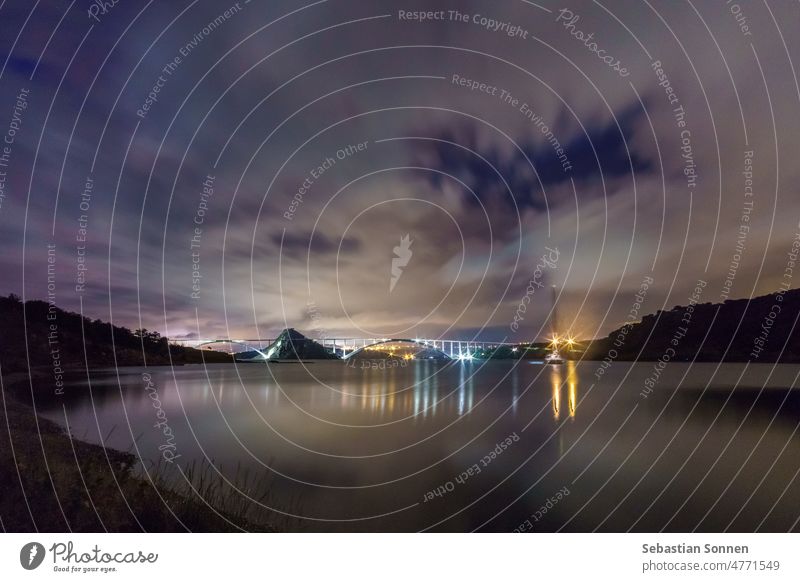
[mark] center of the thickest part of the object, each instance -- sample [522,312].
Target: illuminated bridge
[350,347]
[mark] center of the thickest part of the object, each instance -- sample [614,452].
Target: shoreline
[56,483]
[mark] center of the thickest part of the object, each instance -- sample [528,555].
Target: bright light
[513,349]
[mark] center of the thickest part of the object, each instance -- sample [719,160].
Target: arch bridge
[246,343]
[349,347]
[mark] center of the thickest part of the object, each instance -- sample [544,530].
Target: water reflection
[556,385]
[466,388]
[334,436]
[415,390]
[572,387]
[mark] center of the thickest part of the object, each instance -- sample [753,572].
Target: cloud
[478,185]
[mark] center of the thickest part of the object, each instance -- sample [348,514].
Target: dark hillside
[54,335]
[766,333]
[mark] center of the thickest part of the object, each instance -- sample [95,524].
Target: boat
[554,358]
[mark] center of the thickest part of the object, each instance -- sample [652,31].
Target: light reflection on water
[353,444]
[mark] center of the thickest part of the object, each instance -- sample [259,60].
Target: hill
[293,345]
[761,329]
[54,336]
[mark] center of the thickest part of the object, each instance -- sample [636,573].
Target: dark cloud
[529,169]
[299,245]
[261,107]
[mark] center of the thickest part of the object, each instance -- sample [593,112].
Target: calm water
[344,448]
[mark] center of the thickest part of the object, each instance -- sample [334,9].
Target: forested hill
[757,330]
[55,336]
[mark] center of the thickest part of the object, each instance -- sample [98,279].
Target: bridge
[349,347]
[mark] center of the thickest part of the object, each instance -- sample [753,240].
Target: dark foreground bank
[52,482]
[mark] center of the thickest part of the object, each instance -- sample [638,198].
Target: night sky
[231,169]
